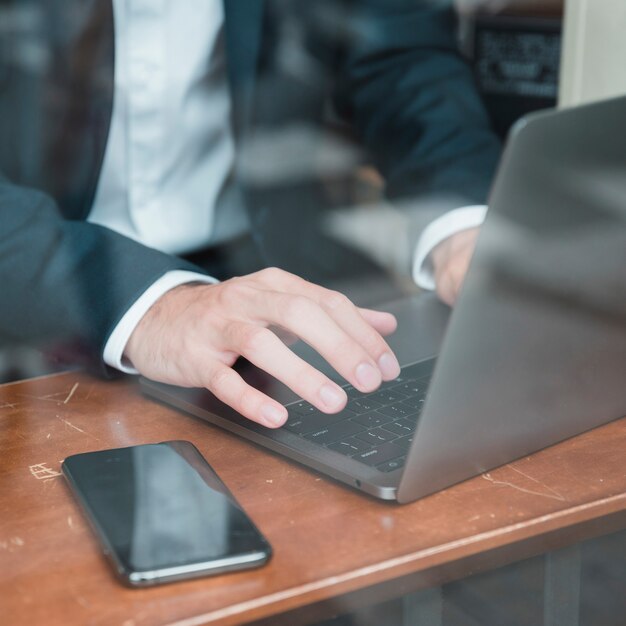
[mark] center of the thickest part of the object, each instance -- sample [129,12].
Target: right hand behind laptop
[451,259]
[194,334]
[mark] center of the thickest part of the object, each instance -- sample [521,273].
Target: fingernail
[332,397]
[272,414]
[367,376]
[389,366]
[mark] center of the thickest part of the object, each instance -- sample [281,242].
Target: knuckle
[248,402]
[229,293]
[296,308]
[252,340]
[219,380]
[376,345]
[272,274]
[335,300]
[308,381]
[346,347]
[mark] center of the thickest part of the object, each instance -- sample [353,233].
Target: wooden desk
[333,547]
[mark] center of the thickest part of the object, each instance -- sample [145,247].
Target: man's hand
[451,258]
[194,334]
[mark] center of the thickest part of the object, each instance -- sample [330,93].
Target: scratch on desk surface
[79,598]
[550,489]
[41,471]
[12,544]
[552,494]
[137,618]
[53,395]
[50,397]
[68,423]
[71,393]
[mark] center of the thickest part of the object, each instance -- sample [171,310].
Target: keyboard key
[386,397]
[396,381]
[380,454]
[363,405]
[416,403]
[407,423]
[375,429]
[404,442]
[396,410]
[303,408]
[390,466]
[301,424]
[350,446]
[410,388]
[413,417]
[376,436]
[297,424]
[372,419]
[352,392]
[400,429]
[334,432]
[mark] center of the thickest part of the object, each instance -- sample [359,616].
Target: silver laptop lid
[536,348]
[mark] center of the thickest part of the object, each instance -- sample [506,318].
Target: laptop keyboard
[375,428]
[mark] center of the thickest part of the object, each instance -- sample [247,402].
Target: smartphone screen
[163,514]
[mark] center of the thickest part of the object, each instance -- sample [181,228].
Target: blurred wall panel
[594,51]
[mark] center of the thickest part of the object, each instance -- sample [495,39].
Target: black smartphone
[162,513]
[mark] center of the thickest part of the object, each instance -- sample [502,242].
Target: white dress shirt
[170,149]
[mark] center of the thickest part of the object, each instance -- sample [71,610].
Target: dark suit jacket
[394,73]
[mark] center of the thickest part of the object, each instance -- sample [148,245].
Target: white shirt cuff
[116,344]
[443,227]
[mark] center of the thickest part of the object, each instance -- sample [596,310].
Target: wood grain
[331,544]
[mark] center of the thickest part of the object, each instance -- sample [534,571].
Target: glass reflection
[143,138]
[174,522]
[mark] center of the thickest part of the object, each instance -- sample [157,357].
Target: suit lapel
[243,20]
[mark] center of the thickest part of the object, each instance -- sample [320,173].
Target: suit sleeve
[414,103]
[67,280]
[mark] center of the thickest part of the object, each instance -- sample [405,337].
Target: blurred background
[514,47]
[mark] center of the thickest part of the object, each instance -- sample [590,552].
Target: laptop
[533,353]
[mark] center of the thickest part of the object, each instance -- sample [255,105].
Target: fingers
[232,390]
[354,324]
[209,326]
[330,323]
[265,350]
[384,323]
[358,361]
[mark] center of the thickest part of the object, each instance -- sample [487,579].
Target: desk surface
[329,541]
